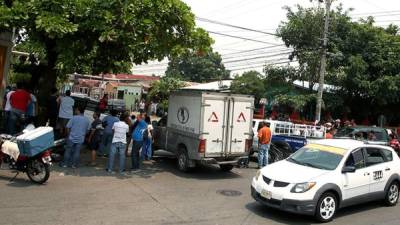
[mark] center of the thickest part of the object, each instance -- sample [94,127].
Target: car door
[356,184]
[379,163]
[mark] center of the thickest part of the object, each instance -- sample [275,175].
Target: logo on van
[183,115]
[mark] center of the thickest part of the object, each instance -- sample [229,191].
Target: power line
[257,62]
[243,38]
[262,65]
[378,12]
[252,58]
[238,27]
[287,51]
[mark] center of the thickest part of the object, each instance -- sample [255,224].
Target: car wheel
[392,194]
[183,160]
[326,207]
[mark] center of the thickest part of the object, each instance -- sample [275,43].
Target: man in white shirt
[120,130]
[7,109]
[66,111]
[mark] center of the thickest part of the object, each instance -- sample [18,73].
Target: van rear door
[240,125]
[214,125]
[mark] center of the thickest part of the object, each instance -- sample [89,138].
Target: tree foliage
[250,83]
[363,59]
[87,36]
[160,90]
[197,67]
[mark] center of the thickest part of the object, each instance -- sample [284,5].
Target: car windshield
[318,156]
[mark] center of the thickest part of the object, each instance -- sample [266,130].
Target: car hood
[289,172]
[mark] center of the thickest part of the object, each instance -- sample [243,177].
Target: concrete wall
[6,45]
[131,93]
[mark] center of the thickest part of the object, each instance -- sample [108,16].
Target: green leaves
[197,66]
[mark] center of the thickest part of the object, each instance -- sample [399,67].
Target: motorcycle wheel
[38,171]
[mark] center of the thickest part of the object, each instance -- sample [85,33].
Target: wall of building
[131,93]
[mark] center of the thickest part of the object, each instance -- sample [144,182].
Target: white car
[322,177]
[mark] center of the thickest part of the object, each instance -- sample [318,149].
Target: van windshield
[318,156]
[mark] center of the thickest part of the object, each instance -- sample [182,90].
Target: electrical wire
[234,26]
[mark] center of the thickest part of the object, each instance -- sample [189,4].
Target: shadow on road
[148,169]
[294,219]
[277,215]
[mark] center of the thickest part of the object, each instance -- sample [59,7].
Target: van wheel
[226,168]
[392,194]
[326,207]
[183,160]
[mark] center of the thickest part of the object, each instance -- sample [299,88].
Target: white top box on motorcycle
[35,141]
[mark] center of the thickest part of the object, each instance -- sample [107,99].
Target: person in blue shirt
[77,128]
[138,133]
[108,123]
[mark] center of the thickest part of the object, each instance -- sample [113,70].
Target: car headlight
[258,174]
[302,187]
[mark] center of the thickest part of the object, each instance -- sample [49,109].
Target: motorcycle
[36,167]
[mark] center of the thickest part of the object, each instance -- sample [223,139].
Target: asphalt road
[159,194]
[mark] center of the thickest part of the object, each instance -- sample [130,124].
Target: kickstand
[12,179]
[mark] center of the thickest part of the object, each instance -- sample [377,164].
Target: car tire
[183,160]
[226,168]
[392,194]
[326,207]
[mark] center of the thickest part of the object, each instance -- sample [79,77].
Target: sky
[252,50]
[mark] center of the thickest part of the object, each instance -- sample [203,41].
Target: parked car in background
[374,135]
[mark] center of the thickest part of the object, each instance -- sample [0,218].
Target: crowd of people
[108,137]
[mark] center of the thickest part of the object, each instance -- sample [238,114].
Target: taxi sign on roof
[335,150]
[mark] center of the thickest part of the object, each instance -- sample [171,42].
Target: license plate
[266,194]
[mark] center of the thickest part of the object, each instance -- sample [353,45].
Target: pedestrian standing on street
[147,142]
[77,128]
[264,143]
[108,123]
[142,106]
[19,101]
[52,108]
[95,137]
[103,103]
[32,110]
[65,113]
[7,109]
[137,137]
[120,129]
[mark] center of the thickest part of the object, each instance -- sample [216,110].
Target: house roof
[88,82]
[131,77]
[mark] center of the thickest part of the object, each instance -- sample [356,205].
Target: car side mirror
[349,169]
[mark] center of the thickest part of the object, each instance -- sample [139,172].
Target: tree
[101,36]
[197,67]
[362,61]
[160,90]
[249,83]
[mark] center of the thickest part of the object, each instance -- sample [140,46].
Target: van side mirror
[349,169]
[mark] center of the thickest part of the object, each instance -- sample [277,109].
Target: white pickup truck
[206,127]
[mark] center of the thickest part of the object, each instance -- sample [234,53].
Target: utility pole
[323,61]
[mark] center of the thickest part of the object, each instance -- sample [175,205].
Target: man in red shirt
[19,101]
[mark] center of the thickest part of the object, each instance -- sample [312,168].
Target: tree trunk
[48,78]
